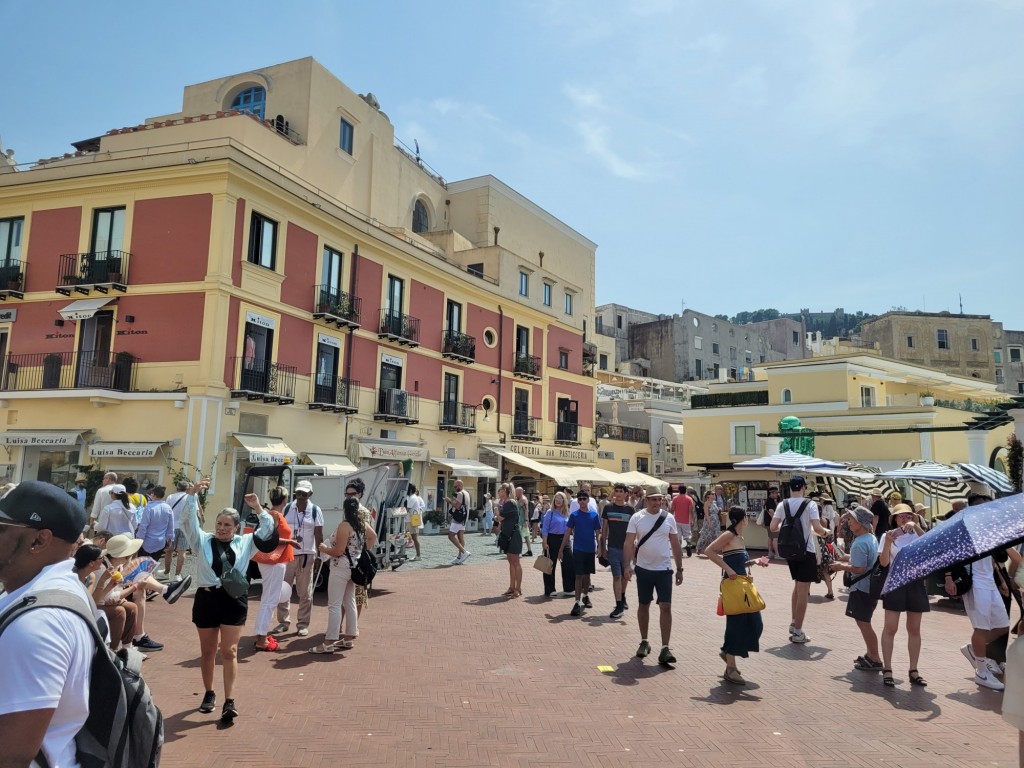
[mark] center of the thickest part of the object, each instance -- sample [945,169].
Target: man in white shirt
[47,652]
[102,498]
[176,501]
[307,523]
[652,543]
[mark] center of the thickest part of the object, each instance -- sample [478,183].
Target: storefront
[479,478]
[48,455]
[252,450]
[139,460]
[374,452]
[334,464]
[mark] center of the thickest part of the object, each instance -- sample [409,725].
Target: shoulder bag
[231,579]
[740,596]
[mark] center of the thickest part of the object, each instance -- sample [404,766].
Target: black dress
[510,540]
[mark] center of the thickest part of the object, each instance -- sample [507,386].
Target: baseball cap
[44,507]
[863,515]
[116,488]
[305,486]
[796,482]
[122,545]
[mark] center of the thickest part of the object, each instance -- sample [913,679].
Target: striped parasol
[930,478]
[993,478]
[857,480]
[790,461]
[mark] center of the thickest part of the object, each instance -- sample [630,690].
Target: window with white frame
[547,295]
[787,395]
[867,397]
[568,303]
[942,338]
[743,440]
[524,284]
[1015,354]
[625,465]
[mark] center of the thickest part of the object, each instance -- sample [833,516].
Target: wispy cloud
[597,142]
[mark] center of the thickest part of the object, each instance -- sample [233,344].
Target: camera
[298,539]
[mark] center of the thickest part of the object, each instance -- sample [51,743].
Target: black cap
[796,482]
[44,506]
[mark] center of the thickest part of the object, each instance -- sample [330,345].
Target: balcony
[100,271]
[458,346]
[567,433]
[12,280]
[336,307]
[620,432]
[526,427]
[334,394]
[265,380]
[527,366]
[394,326]
[397,405]
[458,417]
[729,399]
[70,370]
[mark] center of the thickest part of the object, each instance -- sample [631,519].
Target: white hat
[122,545]
[305,486]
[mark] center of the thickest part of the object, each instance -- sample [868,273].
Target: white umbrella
[790,461]
[931,478]
[993,478]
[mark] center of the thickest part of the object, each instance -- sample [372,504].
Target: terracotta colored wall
[34,331]
[476,384]
[578,392]
[300,260]
[368,287]
[423,376]
[477,319]
[167,328]
[427,304]
[560,338]
[236,264]
[53,233]
[364,362]
[295,343]
[170,239]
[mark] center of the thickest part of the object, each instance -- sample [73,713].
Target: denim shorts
[616,561]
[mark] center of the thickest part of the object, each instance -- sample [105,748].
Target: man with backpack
[459,510]
[796,521]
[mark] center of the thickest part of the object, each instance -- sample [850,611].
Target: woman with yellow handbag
[742,630]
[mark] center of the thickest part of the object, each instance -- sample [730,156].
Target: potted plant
[433,520]
[14,280]
[927,398]
[51,371]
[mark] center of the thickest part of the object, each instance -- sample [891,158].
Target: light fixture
[59,323]
[129,318]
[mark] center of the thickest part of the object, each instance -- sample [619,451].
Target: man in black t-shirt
[614,520]
[881,512]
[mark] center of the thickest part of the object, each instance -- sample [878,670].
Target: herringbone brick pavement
[445,673]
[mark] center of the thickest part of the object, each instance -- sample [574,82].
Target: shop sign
[256,457]
[260,320]
[555,454]
[323,338]
[8,315]
[391,360]
[32,439]
[386,452]
[123,450]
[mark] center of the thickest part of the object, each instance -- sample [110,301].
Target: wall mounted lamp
[129,318]
[59,323]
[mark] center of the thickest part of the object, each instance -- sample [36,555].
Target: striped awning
[930,478]
[993,478]
[788,461]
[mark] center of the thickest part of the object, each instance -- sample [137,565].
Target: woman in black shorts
[510,539]
[911,599]
[219,617]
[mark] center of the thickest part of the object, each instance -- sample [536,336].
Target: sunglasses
[301,493]
[14,525]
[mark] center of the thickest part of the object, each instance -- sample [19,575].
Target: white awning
[265,450]
[643,479]
[83,309]
[466,467]
[561,475]
[673,433]
[124,450]
[333,463]
[49,438]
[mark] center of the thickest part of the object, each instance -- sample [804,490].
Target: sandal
[916,679]
[324,648]
[867,664]
[732,675]
[887,679]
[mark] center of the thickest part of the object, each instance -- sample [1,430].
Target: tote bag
[740,596]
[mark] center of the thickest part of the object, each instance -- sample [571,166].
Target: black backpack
[792,541]
[364,569]
[124,728]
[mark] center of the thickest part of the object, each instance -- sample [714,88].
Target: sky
[725,155]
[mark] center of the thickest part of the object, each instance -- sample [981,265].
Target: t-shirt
[810,513]
[575,504]
[48,655]
[584,525]
[881,511]
[656,553]
[618,521]
[116,519]
[682,508]
[863,553]
[176,501]
[302,524]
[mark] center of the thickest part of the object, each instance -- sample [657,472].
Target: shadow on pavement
[986,699]
[488,600]
[726,693]
[633,671]
[176,726]
[905,697]
[799,652]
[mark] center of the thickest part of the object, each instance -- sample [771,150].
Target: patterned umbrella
[993,478]
[857,480]
[930,478]
[967,536]
[790,461]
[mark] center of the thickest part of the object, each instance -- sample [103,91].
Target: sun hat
[304,486]
[122,545]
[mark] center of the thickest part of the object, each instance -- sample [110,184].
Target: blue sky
[726,155]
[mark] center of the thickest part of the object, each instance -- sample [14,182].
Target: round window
[487,405]
[696,322]
[490,339]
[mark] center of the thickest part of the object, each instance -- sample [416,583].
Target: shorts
[772,535]
[213,608]
[910,598]
[180,542]
[616,560]
[155,555]
[861,605]
[584,562]
[685,532]
[985,608]
[804,570]
[649,582]
[454,527]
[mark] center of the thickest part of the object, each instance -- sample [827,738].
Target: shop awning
[641,478]
[466,467]
[333,463]
[83,309]
[264,449]
[561,475]
[47,438]
[124,450]
[673,433]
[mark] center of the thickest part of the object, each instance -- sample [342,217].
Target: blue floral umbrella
[967,536]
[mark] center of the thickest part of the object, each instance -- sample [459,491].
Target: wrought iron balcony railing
[458,346]
[567,433]
[335,394]
[526,427]
[69,370]
[620,432]
[334,306]
[458,417]
[99,271]
[397,405]
[527,366]
[394,326]
[12,279]
[259,379]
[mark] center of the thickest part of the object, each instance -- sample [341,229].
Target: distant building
[1013,363]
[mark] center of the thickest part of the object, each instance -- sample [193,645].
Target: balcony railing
[258,379]
[70,370]
[394,326]
[458,417]
[12,279]
[527,366]
[620,432]
[526,427]
[458,346]
[589,351]
[397,405]
[338,307]
[729,399]
[567,433]
[99,271]
[332,393]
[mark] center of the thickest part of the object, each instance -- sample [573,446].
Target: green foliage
[756,316]
[189,473]
[983,405]
[435,516]
[1015,461]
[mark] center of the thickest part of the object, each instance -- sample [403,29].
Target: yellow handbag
[415,520]
[739,595]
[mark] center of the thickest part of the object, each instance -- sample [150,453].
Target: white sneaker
[988,680]
[465,556]
[798,636]
[968,653]
[994,667]
[456,561]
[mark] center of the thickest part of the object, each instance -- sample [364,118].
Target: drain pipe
[353,276]
[501,346]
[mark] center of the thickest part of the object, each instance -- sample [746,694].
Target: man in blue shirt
[156,527]
[585,524]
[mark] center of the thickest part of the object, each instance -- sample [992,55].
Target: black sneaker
[577,609]
[666,657]
[643,650]
[144,643]
[209,702]
[176,590]
[617,613]
[625,605]
[229,712]
[586,602]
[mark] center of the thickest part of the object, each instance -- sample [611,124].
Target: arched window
[787,396]
[420,217]
[252,100]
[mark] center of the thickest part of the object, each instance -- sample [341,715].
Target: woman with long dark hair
[742,631]
[119,515]
[510,538]
[712,524]
[344,549]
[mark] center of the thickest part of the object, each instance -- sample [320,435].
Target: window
[325,388]
[547,294]
[714,348]
[1020,387]
[453,317]
[1014,351]
[330,273]
[10,241]
[252,100]
[999,375]
[522,340]
[910,342]
[107,230]
[698,368]
[345,141]
[942,338]
[641,464]
[568,303]
[563,359]
[450,403]
[618,322]
[420,217]
[796,337]
[732,373]
[867,397]
[599,324]
[732,353]
[787,395]
[698,342]
[602,362]
[625,465]
[998,355]
[262,241]
[974,345]
[744,440]
[524,284]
